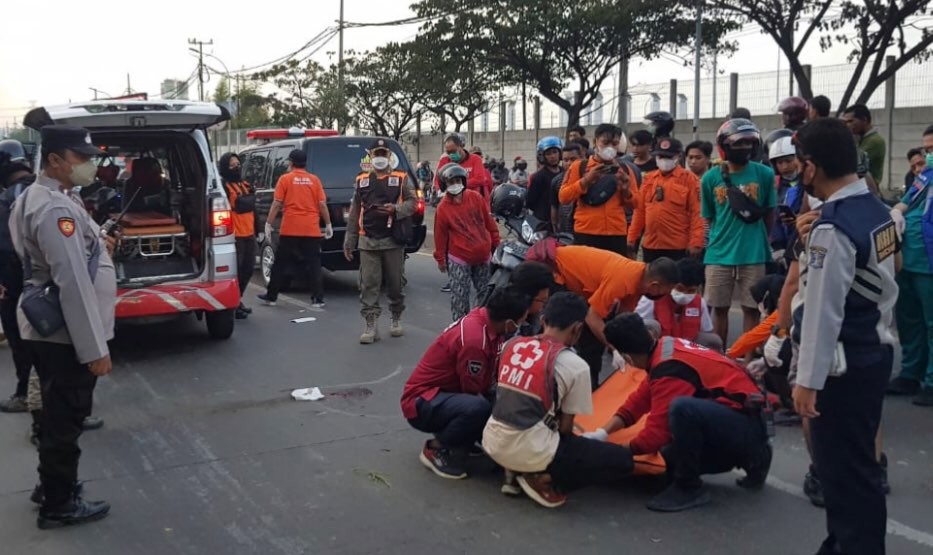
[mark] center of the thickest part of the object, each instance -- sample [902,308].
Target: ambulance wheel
[220,323]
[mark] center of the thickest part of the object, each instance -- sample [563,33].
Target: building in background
[174,89]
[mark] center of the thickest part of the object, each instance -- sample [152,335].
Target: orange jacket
[673,222]
[753,338]
[601,277]
[244,225]
[606,219]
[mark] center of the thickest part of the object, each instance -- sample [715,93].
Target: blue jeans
[709,438]
[456,419]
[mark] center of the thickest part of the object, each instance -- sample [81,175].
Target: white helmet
[782,147]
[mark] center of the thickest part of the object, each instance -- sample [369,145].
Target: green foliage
[382,91]
[222,92]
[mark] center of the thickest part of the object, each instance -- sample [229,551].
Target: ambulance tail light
[419,203]
[221,217]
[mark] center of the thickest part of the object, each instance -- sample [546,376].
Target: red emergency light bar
[274,134]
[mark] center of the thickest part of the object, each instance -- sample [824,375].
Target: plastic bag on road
[308,394]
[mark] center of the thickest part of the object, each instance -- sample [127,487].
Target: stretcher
[606,401]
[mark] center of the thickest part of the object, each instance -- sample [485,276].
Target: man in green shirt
[858,119]
[737,198]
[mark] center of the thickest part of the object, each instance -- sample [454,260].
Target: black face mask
[740,156]
[233,176]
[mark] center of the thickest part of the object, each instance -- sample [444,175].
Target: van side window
[255,171]
[280,163]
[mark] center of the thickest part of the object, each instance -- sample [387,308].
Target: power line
[288,56]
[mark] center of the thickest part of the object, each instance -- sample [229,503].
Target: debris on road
[307,394]
[304,320]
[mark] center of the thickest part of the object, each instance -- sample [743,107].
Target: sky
[61,57]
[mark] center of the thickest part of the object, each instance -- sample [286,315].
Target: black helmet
[450,171]
[794,109]
[12,158]
[660,123]
[508,201]
[735,130]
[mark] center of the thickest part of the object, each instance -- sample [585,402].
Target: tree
[552,45]
[251,107]
[381,91]
[293,103]
[871,28]
[222,92]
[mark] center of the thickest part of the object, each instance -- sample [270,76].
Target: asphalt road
[204,451]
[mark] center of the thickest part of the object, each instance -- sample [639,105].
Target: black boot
[73,512]
[92,423]
[38,494]
[813,488]
[675,499]
[35,431]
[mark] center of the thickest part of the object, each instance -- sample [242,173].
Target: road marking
[895,528]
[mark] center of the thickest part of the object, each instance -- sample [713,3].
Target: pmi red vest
[714,375]
[526,390]
[679,321]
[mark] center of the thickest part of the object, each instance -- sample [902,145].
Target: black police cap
[76,139]
[298,157]
[379,144]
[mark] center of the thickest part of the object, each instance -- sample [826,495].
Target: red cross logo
[526,354]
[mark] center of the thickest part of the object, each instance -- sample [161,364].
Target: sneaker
[757,468]
[245,308]
[92,423]
[440,462]
[885,486]
[813,488]
[395,327]
[266,300]
[318,302]
[903,386]
[240,314]
[445,288]
[510,485]
[541,491]
[675,499]
[924,398]
[75,511]
[13,404]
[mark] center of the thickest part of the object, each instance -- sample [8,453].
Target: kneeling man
[542,386]
[449,392]
[705,414]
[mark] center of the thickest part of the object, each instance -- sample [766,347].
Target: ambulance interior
[158,183]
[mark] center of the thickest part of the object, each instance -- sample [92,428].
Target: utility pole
[696,71]
[200,64]
[343,100]
[129,89]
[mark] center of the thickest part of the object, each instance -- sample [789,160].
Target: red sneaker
[542,492]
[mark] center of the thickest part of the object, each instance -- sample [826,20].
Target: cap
[76,139]
[667,147]
[298,157]
[641,137]
[379,144]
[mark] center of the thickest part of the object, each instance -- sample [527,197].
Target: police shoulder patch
[816,255]
[475,367]
[394,181]
[692,312]
[66,226]
[884,237]
[364,183]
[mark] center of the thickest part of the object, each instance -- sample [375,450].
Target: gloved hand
[268,230]
[899,222]
[598,434]
[328,231]
[772,351]
[618,362]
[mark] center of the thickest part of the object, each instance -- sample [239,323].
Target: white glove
[328,231]
[268,230]
[618,361]
[899,222]
[598,434]
[772,351]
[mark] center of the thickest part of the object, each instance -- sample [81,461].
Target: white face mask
[455,189]
[606,154]
[814,202]
[682,298]
[380,162]
[666,165]
[84,174]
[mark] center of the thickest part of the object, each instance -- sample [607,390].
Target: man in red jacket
[704,413]
[478,179]
[449,394]
[464,237]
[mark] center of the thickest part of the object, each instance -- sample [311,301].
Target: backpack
[602,190]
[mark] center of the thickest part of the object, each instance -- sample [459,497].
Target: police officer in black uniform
[846,348]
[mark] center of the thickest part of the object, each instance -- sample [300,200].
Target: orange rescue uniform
[244,225]
[672,222]
[300,193]
[605,219]
[601,277]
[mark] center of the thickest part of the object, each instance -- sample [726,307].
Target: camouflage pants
[34,394]
[463,281]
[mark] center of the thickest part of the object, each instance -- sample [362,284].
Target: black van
[336,161]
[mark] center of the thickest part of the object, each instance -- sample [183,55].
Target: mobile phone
[612,168]
[786,211]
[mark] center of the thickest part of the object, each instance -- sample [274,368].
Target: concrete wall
[909,124]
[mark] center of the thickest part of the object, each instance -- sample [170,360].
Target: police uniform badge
[475,367]
[66,226]
[364,183]
[885,240]
[394,181]
[664,144]
[816,257]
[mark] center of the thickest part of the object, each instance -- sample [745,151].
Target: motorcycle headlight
[528,233]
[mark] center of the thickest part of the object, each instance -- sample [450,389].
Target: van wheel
[220,324]
[266,259]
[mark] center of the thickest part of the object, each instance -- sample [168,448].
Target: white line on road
[895,528]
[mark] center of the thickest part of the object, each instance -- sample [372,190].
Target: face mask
[682,298]
[511,333]
[807,187]
[814,202]
[233,175]
[666,165]
[606,154]
[455,156]
[380,162]
[930,160]
[454,189]
[84,174]
[739,156]
[791,176]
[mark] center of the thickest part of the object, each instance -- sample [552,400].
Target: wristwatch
[778,331]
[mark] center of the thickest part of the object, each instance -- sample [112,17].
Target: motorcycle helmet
[546,144]
[738,140]
[12,159]
[781,148]
[508,201]
[794,109]
[661,124]
[450,172]
[520,163]
[774,137]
